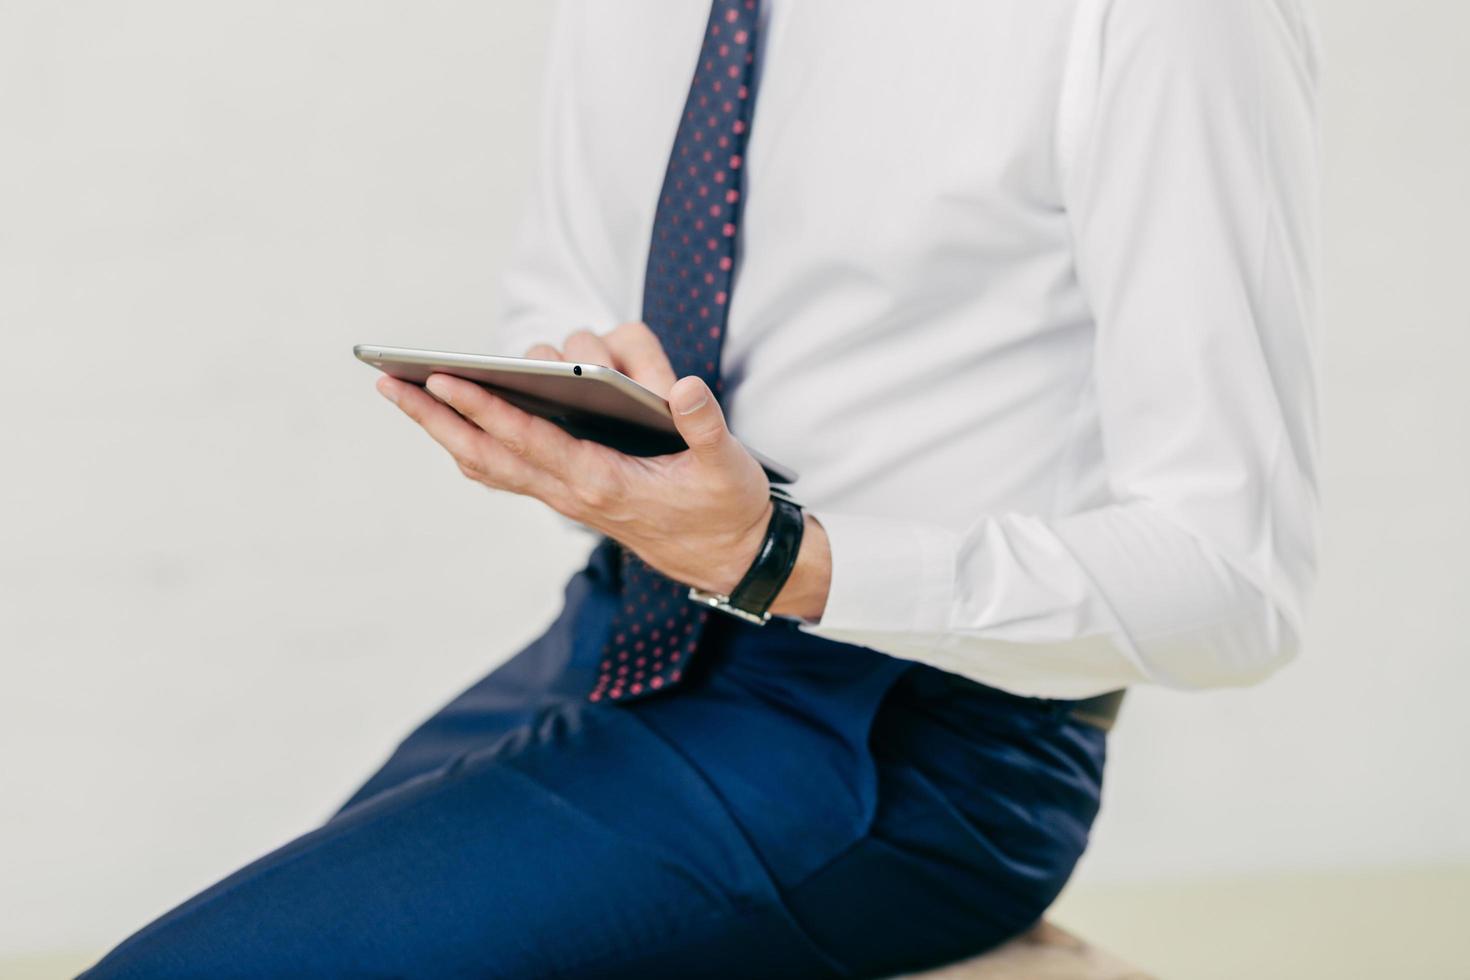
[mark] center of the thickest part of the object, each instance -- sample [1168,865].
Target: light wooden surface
[1392,924]
[1045,953]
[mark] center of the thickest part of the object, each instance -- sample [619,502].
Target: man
[1025,292]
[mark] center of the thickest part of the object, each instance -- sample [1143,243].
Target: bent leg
[586,848]
[800,808]
[985,804]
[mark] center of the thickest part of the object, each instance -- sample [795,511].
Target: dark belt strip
[1100,711]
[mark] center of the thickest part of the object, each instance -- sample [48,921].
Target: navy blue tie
[686,293]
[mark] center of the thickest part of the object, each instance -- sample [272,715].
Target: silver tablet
[588,400]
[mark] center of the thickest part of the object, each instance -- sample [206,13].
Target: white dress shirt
[1026,292]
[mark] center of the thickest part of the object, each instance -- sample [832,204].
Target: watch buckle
[716,600]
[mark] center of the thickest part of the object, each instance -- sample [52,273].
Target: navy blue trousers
[796,808]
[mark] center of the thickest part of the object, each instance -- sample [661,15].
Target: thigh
[587,849]
[984,807]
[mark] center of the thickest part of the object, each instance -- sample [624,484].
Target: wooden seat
[1045,953]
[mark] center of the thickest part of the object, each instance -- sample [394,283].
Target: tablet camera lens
[577,369]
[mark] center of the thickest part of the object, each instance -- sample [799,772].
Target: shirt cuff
[888,576]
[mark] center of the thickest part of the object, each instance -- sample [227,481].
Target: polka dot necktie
[686,294]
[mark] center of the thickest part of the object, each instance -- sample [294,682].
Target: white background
[231,577]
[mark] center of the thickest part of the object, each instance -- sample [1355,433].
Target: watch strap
[751,599]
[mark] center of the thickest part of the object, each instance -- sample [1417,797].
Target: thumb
[699,420]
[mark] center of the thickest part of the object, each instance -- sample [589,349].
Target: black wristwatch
[751,599]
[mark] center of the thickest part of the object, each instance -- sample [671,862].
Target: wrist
[744,553]
[805,594]
[753,596]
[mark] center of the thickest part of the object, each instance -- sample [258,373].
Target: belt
[1100,711]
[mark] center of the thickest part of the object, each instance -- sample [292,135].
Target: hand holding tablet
[587,400]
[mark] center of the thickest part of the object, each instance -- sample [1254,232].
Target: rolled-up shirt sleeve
[1187,157]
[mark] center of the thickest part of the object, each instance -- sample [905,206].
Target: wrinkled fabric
[797,808]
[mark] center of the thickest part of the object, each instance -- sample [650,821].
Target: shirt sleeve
[548,288]
[1188,170]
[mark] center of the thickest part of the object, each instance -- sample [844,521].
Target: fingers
[631,348]
[543,352]
[587,347]
[527,437]
[638,353]
[478,456]
[699,420]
